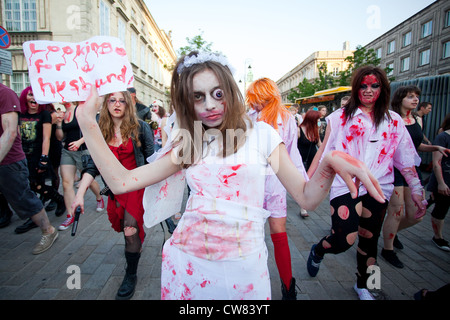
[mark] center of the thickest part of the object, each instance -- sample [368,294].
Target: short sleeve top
[239,177]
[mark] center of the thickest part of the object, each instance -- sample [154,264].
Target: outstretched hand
[348,168]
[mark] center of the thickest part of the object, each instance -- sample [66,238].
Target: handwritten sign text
[63,71]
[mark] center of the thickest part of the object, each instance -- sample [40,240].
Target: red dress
[131,201]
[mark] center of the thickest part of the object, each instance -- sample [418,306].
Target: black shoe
[391,257]
[397,244]
[126,290]
[27,226]
[60,206]
[441,244]
[290,294]
[51,206]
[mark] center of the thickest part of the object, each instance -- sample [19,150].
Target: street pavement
[97,252]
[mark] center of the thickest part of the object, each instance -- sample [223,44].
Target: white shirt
[380,149]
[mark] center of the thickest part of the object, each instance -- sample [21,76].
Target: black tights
[130,228]
[362,216]
[45,191]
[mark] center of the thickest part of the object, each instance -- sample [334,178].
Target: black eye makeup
[374,86]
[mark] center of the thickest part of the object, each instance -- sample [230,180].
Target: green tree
[303,89]
[361,57]
[196,43]
[325,80]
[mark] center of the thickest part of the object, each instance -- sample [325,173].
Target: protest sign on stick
[65,72]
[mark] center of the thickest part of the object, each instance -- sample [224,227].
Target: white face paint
[209,104]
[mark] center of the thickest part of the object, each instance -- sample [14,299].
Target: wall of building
[149,49]
[425,53]
[309,69]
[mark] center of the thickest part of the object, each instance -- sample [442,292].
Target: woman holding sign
[217,250]
[131,142]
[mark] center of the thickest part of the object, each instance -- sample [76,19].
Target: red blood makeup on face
[370,90]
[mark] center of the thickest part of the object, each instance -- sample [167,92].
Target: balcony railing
[18,38]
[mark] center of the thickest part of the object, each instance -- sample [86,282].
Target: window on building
[424,57]
[391,47]
[404,63]
[143,47]
[378,52]
[427,29]
[446,51]
[390,66]
[20,15]
[406,39]
[104,19]
[133,47]
[150,64]
[122,30]
[19,81]
[335,71]
[447,19]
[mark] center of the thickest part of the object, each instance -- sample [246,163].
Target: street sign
[5,62]
[5,39]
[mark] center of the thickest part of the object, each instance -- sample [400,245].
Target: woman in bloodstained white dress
[365,129]
[217,250]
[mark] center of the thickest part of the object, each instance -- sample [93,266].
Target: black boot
[128,285]
[290,294]
[60,205]
[5,212]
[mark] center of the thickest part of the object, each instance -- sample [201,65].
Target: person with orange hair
[264,97]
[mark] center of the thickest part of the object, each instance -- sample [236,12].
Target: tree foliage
[361,57]
[196,43]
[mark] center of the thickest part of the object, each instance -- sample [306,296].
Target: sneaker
[303,213]
[290,294]
[313,263]
[441,244]
[391,257]
[100,205]
[46,242]
[363,293]
[65,225]
[397,244]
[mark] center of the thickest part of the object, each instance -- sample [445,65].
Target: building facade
[419,46]
[149,49]
[309,69]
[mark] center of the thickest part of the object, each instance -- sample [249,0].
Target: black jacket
[140,153]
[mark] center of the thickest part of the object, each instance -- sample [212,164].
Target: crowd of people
[239,158]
